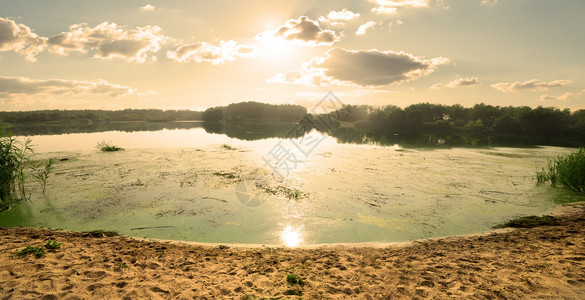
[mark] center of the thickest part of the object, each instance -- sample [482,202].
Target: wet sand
[543,262]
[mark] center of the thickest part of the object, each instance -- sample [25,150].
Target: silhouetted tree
[214,114]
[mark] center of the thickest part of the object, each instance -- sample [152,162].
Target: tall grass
[41,172]
[567,171]
[108,146]
[14,156]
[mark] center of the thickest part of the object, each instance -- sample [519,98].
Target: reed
[14,157]
[567,171]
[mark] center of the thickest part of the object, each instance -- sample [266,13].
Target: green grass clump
[52,245]
[108,147]
[294,279]
[36,251]
[567,171]
[531,222]
[14,157]
[122,266]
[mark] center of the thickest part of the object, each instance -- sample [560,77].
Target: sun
[275,46]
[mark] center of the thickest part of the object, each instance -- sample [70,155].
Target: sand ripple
[543,262]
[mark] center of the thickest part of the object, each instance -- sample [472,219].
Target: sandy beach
[543,262]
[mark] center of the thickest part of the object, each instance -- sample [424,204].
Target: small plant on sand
[36,251]
[568,171]
[294,279]
[122,266]
[108,147]
[42,171]
[52,245]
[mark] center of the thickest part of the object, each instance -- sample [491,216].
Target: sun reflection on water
[291,236]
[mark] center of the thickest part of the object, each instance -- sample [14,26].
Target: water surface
[185,184]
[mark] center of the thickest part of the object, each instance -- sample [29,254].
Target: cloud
[362,30]
[394,24]
[21,39]
[391,6]
[147,7]
[308,78]
[109,40]
[364,68]
[563,97]
[148,93]
[457,83]
[206,52]
[402,3]
[374,67]
[19,86]
[344,15]
[383,10]
[533,85]
[304,31]
[486,2]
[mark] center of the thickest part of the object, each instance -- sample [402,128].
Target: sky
[179,54]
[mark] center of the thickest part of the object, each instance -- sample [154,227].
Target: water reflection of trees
[353,135]
[348,135]
[253,131]
[65,128]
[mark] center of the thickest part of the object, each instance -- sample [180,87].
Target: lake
[261,185]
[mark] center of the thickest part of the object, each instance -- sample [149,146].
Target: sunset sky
[178,54]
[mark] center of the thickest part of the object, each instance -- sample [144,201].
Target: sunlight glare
[291,236]
[275,46]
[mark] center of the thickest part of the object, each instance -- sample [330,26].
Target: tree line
[481,118]
[255,111]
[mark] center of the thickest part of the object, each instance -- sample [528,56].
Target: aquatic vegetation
[530,222]
[108,147]
[283,191]
[14,157]
[228,147]
[293,194]
[52,245]
[289,193]
[36,251]
[42,171]
[567,171]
